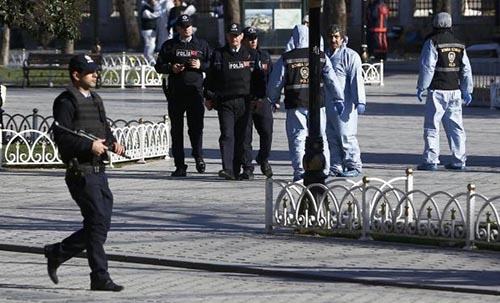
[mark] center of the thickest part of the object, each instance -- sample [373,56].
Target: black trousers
[262,119]
[233,121]
[92,194]
[189,102]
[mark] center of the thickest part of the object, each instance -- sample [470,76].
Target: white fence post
[470,224]
[122,75]
[166,120]
[142,140]
[365,212]
[409,198]
[381,72]
[143,76]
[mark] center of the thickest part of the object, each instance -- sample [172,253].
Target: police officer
[80,108]
[185,58]
[228,90]
[291,72]
[446,73]
[261,111]
[376,18]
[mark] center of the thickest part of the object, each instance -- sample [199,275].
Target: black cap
[234,29]
[250,33]
[184,21]
[83,63]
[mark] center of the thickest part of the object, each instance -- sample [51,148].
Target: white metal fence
[374,206]
[118,69]
[373,73]
[133,70]
[28,141]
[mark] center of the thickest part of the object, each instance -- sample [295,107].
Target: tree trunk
[334,12]
[5,44]
[130,24]
[439,6]
[69,47]
[446,6]
[232,12]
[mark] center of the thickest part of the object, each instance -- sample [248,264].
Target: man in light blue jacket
[446,74]
[341,129]
[291,72]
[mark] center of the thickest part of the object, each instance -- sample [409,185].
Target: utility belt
[75,169]
[90,169]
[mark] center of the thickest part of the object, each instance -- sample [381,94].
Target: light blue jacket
[347,65]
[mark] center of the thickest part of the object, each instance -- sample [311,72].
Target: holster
[77,170]
[72,169]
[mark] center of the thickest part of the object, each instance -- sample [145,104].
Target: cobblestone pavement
[201,239]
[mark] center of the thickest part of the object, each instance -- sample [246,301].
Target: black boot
[266,169]
[200,165]
[180,171]
[105,285]
[52,261]
[247,175]
[227,174]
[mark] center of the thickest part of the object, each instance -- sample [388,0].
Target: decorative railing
[373,73]
[375,207]
[28,141]
[133,70]
[118,70]
[128,70]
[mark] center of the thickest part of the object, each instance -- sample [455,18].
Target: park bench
[50,62]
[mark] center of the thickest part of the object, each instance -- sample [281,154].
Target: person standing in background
[446,74]
[260,111]
[184,59]
[173,14]
[163,34]
[305,20]
[377,15]
[341,129]
[150,12]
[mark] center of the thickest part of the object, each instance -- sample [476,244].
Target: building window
[478,7]
[393,8]
[423,8]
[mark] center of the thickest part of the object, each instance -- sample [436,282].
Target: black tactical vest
[236,73]
[296,62]
[450,54]
[148,23]
[90,115]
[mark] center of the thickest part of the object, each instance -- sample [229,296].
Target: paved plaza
[201,239]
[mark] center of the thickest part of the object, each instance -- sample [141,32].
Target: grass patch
[14,76]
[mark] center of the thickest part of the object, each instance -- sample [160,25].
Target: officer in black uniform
[261,110]
[80,108]
[228,90]
[184,58]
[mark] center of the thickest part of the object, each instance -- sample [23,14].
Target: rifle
[84,134]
